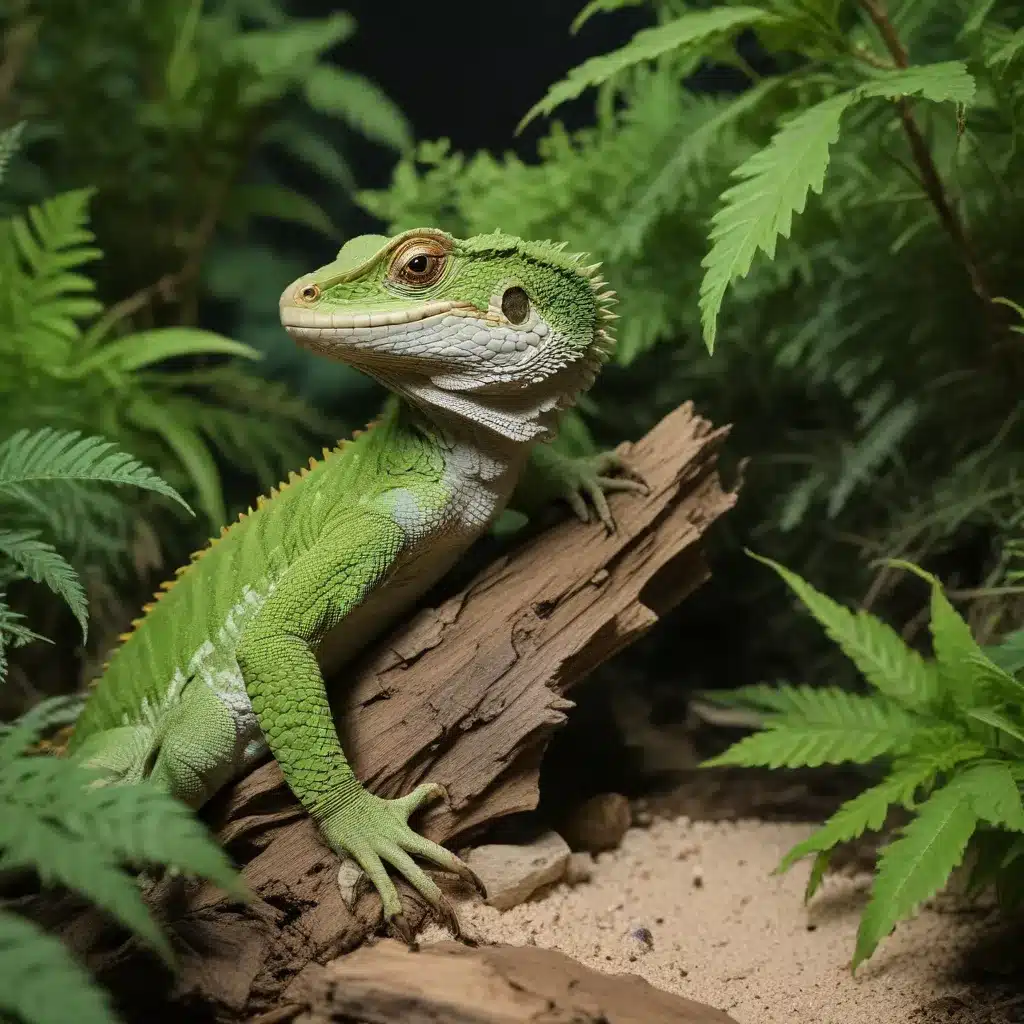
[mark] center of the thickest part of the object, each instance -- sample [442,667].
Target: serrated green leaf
[1008,654]
[970,675]
[916,866]
[830,726]
[47,455]
[80,864]
[42,563]
[775,181]
[191,450]
[278,203]
[867,811]
[360,103]
[600,6]
[145,348]
[885,661]
[683,33]
[817,873]
[993,793]
[42,982]
[995,718]
[10,143]
[17,736]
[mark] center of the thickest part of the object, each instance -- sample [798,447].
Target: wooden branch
[466,694]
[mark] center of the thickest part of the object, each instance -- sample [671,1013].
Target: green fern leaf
[684,33]
[72,860]
[190,448]
[17,736]
[872,450]
[970,675]
[914,867]
[781,698]
[1008,53]
[277,203]
[597,7]
[13,633]
[142,824]
[877,650]
[43,456]
[42,563]
[995,718]
[775,181]
[42,982]
[828,726]
[362,105]
[994,794]
[145,348]
[693,147]
[10,143]
[866,812]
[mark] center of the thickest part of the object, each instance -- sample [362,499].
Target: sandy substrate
[725,931]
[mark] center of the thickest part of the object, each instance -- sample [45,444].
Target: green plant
[950,732]
[855,245]
[54,822]
[235,127]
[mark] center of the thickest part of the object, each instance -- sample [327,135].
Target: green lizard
[482,342]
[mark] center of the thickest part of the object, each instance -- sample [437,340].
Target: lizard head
[492,328]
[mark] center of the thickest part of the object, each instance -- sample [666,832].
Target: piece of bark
[388,984]
[465,694]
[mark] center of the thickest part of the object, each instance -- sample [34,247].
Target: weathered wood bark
[493,985]
[465,694]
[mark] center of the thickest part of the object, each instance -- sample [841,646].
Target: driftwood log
[466,694]
[387,984]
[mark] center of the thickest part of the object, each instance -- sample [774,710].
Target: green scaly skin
[482,342]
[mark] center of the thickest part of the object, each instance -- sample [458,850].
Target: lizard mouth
[310,324]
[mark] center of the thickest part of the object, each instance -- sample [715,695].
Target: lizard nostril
[310,293]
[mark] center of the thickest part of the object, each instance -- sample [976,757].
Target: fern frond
[42,563]
[875,447]
[361,104]
[826,726]
[967,672]
[42,982]
[994,794]
[885,661]
[916,866]
[16,737]
[775,181]
[10,143]
[29,841]
[998,720]
[13,633]
[866,812]
[597,7]
[682,34]
[29,458]
[55,820]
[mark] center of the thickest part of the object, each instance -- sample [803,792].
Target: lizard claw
[589,476]
[374,832]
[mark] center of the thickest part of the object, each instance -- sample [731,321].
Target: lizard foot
[374,831]
[590,476]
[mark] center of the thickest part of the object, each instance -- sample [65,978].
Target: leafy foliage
[862,360]
[55,822]
[954,753]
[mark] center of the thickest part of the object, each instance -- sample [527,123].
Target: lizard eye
[420,264]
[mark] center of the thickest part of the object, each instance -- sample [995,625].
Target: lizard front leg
[277,657]
[550,475]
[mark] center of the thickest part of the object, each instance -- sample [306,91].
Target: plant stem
[930,179]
